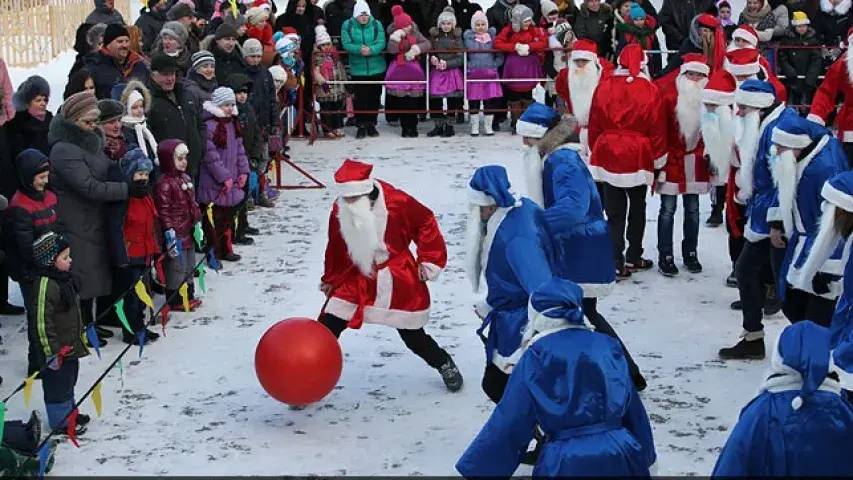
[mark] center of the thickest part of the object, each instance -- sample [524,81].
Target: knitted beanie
[252,48]
[223,96]
[178,11]
[114,31]
[47,247]
[202,57]
[480,16]
[226,31]
[321,35]
[176,30]
[401,18]
[80,105]
[447,16]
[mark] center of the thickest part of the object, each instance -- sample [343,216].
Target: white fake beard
[533,175]
[582,84]
[740,82]
[358,228]
[474,236]
[747,144]
[849,67]
[688,110]
[784,170]
[824,246]
[719,138]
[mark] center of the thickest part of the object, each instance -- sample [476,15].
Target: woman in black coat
[32,119]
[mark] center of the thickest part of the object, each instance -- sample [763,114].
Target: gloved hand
[413,52]
[820,283]
[397,35]
[171,243]
[228,184]
[241,180]
[522,49]
[137,190]
[442,65]
[275,143]
[434,60]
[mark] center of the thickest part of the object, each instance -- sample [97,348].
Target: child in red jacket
[179,217]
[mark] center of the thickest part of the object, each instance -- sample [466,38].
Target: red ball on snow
[298,361]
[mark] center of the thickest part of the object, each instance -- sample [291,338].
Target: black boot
[103,332]
[731,281]
[438,130]
[451,375]
[243,239]
[361,133]
[691,263]
[772,304]
[9,309]
[666,266]
[639,264]
[251,230]
[750,347]
[448,132]
[371,131]
[736,305]
[639,381]
[716,218]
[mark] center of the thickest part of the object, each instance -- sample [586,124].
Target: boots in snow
[736,305]
[228,248]
[194,302]
[516,108]
[134,339]
[475,124]
[438,129]
[448,131]
[361,133]
[451,375]
[666,266]
[251,230]
[772,304]
[488,125]
[716,218]
[371,131]
[691,263]
[750,347]
[731,281]
[640,264]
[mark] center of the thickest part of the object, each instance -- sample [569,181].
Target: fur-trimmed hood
[435,32]
[564,132]
[841,9]
[605,9]
[141,88]
[211,110]
[61,130]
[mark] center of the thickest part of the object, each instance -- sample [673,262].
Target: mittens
[522,49]
[228,184]
[413,52]
[397,35]
[241,180]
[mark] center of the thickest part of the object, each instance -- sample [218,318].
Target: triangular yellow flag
[28,388]
[184,297]
[236,223]
[142,293]
[210,213]
[96,399]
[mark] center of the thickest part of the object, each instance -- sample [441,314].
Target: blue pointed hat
[536,120]
[838,191]
[842,358]
[804,347]
[558,301]
[794,131]
[755,93]
[490,186]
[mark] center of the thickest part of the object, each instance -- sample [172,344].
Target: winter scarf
[67,287]
[330,58]
[38,116]
[752,18]
[644,36]
[115,147]
[405,45]
[220,134]
[140,126]
[482,37]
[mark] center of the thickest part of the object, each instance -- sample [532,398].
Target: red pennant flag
[72,427]
[158,266]
[62,353]
[164,317]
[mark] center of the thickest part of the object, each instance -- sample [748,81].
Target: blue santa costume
[799,182]
[799,424]
[837,194]
[757,191]
[514,254]
[574,383]
[563,186]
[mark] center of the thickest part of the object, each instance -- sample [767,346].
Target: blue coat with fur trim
[575,218]
[812,171]
[573,383]
[841,328]
[517,257]
[763,188]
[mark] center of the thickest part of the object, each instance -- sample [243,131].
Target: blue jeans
[666,216]
[58,388]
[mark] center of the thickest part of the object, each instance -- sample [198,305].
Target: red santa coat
[393,295]
[627,131]
[838,80]
[686,170]
[564,91]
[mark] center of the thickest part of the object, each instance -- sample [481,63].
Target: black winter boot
[448,132]
[438,129]
[772,304]
[716,218]
[451,375]
[750,347]
[691,263]
[731,281]
[666,266]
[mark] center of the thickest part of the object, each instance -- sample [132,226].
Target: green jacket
[353,36]
[51,326]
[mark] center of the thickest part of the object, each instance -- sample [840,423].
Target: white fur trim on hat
[583,55]
[790,140]
[742,69]
[181,149]
[754,99]
[532,130]
[716,97]
[797,23]
[476,197]
[697,67]
[744,35]
[837,197]
[356,188]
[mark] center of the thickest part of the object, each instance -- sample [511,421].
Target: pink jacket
[6,109]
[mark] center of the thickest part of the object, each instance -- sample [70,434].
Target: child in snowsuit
[53,315]
[133,239]
[328,67]
[406,44]
[446,76]
[179,216]
[224,172]
[799,424]
[137,102]
[574,383]
[482,66]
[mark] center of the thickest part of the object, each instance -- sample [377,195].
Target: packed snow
[192,405]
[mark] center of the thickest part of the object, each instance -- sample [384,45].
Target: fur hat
[28,91]
[321,35]
[256,15]
[80,105]
[447,16]
[179,10]
[96,34]
[110,110]
[176,30]
[47,247]
[252,48]
[519,14]
[114,31]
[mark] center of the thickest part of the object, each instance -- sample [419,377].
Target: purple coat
[220,165]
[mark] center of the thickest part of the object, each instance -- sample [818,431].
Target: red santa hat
[585,49]
[633,59]
[743,61]
[709,21]
[353,178]
[747,33]
[695,62]
[720,89]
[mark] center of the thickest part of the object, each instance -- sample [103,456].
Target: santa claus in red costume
[745,64]
[371,276]
[577,82]
[627,138]
[839,79]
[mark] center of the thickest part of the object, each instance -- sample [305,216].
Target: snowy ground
[192,405]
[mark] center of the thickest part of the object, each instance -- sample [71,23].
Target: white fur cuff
[790,140]
[837,197]
[532,130]
[480,199]
[431,270]
[742,69]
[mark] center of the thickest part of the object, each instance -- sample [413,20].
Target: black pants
[590,310]
[513,96]
[101,306]
[623,204]
[800,305]
[332,121]
[134,309]
[407,120]
[494,382]
[58,388]
[492,103]
[751,280]
[366,97]
[453,105]
[736,243]
[4,285]
[243,212]
[719,198]
[418,341]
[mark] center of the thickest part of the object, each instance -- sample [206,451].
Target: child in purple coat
[224,171]
[406,44]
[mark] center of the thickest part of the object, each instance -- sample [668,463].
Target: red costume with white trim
[686,171]
[748,61]
[627,129]
[388,290]
[838,80]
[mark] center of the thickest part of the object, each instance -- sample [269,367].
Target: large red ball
[298,361]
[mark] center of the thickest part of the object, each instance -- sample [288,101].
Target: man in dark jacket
[595,22]
[115,63]
[464,10]
[175,112]
[105,12]
[229,60]
[498,14]
[676,17]
[150,22]
[262,96]
[181,12]
[335,14]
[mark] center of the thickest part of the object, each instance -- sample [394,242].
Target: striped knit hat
[47,247]
[202,57]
